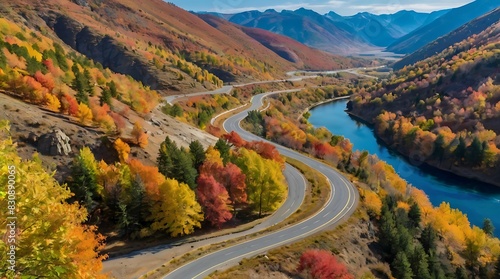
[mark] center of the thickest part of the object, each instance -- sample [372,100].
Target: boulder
[55,143]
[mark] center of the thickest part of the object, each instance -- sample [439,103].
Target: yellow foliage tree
[52,102]
[123,150]
[47,235]
[84,114]
[177,211]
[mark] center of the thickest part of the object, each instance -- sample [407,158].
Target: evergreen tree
[112,89]
[197,153]
[224,149]
[488,227]
[419,264]
[165,163]
[32,66]
[3,59]
[105,97]
[414,214]
[183,168]
[428,238]
[401,268]
[89,84]
[84,182]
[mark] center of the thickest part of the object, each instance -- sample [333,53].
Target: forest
[444,110]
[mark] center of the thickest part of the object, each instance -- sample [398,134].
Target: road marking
[303,228]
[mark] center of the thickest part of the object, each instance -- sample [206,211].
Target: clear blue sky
[343,7]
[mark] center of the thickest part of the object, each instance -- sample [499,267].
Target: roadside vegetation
[387,198]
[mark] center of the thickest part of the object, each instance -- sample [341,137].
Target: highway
[340,204]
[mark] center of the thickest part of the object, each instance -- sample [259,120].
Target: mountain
[442,25]
[473,27]
[158,43]
[305,26]
[302,56]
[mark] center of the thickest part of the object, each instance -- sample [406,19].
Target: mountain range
[164,46]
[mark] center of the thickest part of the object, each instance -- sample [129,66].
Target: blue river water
[478,200]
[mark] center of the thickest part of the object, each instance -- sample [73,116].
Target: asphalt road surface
[341,203]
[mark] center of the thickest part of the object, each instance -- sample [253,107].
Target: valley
[150,141]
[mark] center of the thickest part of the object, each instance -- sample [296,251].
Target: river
[478,200]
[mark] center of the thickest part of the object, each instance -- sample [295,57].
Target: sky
[342,7]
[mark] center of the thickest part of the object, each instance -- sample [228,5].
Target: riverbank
[451,169]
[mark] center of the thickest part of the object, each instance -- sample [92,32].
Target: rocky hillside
[163,46]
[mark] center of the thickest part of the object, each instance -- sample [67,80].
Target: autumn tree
[234,180]
[84,114]
[321,264]
[139,136]
[214,199]
[266,188]
[51,240]
[84,182]
[123,150]
[165,213]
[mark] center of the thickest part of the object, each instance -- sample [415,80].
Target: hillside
[473,27]
[444,110]
[441,26]
[163,46]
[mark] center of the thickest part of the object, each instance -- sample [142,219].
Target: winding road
[341,203]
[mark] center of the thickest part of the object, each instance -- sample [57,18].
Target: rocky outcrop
[107,51]
[54,144]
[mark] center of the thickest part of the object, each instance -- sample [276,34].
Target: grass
[318,191]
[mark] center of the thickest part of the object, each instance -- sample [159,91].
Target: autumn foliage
[214,199]
[321,264]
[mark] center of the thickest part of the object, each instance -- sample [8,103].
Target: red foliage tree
[235,139]
[214,199]
[321,264]
[72,104]
[267,150]
[47,80]
[234,180]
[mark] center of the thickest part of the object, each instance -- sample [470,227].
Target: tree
[414,214]
[401,268]
[176,211]
[234,180]
[79,85]
[51,240]
[176,163]
[321,264]
[84,182]
[123,150]
[419,264]
[488,227]
[459,152]
[84,114]
[497,269]
[224,149]
[265,182]
[139,136]
[214,199]
[428,238]
[197,153]
[105,97]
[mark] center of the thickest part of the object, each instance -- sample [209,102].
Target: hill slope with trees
[444,110]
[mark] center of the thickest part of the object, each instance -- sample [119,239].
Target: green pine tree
[401,267]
